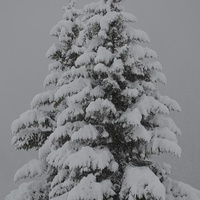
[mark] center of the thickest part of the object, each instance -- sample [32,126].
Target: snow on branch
[157,76]
[93,20]
[68,25]
[44,151]
[148,104]
[139,52]
[70,113]
[161,145]
[131,117]
[128,17]
[32,169]
[85,58]
[88,188]
[102,106]
[32,190]
[57,157]
[80,97]
[103,55]
[163,121]
[88,157]
[32,119]
[72,74]
[96,7]
[140,132]
[166,133]
[51,79]
[141,182]
[170,103]
[155,65]
[88,132]
[65,131]
[54,49]
[44,98]
[137,35]
[129,92]
[72,88]
[97,92]
[176,190]
[54,66]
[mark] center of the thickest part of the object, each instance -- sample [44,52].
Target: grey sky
[174,29]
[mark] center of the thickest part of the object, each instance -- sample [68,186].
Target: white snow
[81,96]
[140,52]
[128,17]
[31,119]
[69,113]
[72,74]
[77,49]
[163,121]
[107,19]
[89,157]
[161,145]
[131,117]
[140,132]
[54,66]
[57,157]
[89,189]
[130,60]
[88,132]
[85,58]
[100,105]
[100,67]
[43,98]
[94,20]
[97,7]
[60,132]
[30,190]
[103,55]
[117,66]
[110,82]
[51,79]
[170,103]
[129,92]
[71,11]
[148,104]
[60,177]
[157,76]
[76,72]
[97,92]
[139,182]
[44,151]
[180,191]
[155,65]
[94,43]
[165,133]
[32,169]
[68,25]
[72,88]
[53,49]
[149,86]
[134,34]
[60,185]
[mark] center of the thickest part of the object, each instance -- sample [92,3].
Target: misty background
[174,29]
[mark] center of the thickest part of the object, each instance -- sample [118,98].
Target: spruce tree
[103,118]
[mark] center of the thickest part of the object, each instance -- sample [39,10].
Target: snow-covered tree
[103,118]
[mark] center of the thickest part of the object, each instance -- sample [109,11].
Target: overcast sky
[174,29]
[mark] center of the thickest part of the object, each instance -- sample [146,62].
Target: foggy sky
[174,29]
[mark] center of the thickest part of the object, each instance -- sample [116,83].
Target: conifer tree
[97,129]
